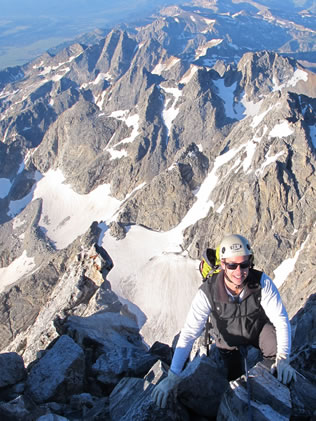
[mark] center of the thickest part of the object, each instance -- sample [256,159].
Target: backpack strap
[208,325]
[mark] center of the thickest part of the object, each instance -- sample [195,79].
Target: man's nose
[238,270]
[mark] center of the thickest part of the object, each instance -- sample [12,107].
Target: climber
[245,309]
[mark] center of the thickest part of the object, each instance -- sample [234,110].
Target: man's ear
[222,265]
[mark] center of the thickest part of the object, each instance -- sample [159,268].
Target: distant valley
[29,29]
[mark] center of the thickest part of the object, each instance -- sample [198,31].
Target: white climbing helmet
[234,245]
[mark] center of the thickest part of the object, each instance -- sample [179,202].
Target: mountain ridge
[151,143]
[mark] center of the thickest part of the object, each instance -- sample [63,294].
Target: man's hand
[285,372]
[164,388]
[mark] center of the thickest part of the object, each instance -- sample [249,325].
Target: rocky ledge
[97,367]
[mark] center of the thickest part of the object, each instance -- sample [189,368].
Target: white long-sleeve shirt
[200,309]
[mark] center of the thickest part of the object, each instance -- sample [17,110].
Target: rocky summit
[122,158]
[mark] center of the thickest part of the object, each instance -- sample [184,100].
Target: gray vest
[235,323]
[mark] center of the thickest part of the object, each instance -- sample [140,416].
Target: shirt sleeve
[193,327]
[272,304]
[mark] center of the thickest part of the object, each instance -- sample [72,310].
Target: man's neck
[233,288]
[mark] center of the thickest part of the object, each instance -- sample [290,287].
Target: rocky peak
[68,142]
[267,69]
[163,137]
[118,51]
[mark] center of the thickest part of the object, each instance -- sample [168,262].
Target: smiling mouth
[239,278]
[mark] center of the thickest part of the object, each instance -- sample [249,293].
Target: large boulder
[202,385]
[14,410]
[12,369]
[131,400]
[106,329]
[59,373]
[303,395]
[273,402]
[266,399]
[111,366]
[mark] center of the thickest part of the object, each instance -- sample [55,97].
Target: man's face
[236,274]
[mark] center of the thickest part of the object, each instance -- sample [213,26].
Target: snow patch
[16,206]
[17,223]
[237,14]
[286,267]
[154,273]
[160,67]
[50,69]
[250,149]
[268,161]
[117,154]
[5,93]
[251,109]
[20,267]
[56,78]
[209,21]
[131,121]
[298,75]
[203,202]
[101,77]
[67,214]
[99,102]
[232,109]
[281,130]
[202,50]
[312,132]
[189,74]
[5,186]
[169,114]
[220,208]
[258,118]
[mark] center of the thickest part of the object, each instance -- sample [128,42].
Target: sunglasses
[233,266]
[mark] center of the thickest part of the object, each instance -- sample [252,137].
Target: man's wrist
[173,376]
[282,356]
